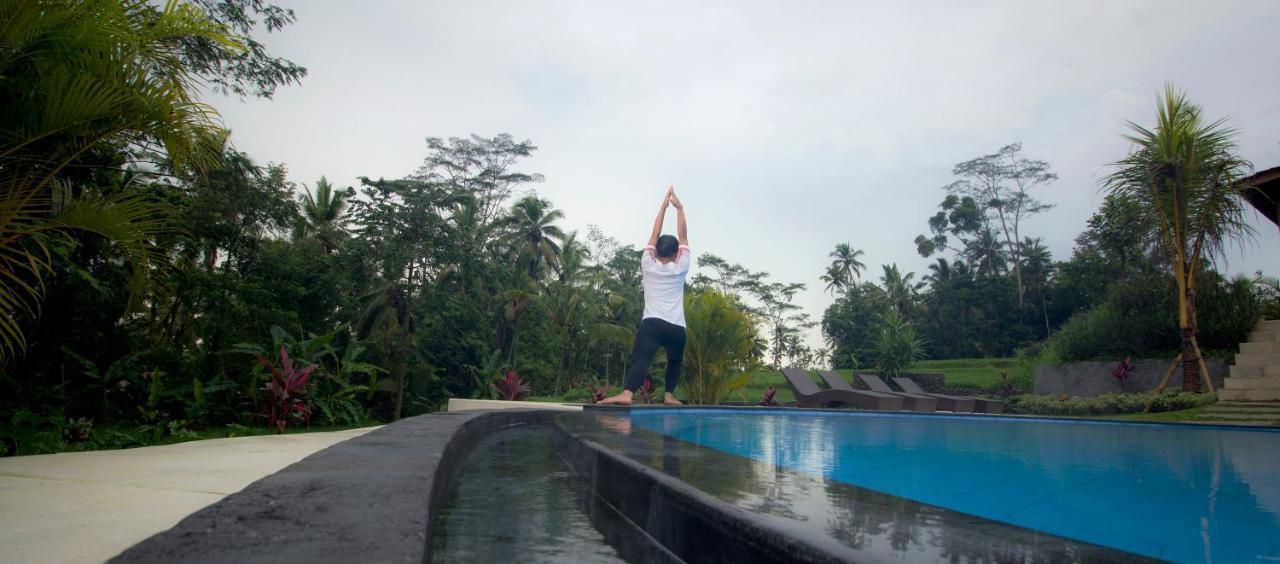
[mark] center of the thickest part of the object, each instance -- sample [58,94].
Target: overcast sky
[786,127]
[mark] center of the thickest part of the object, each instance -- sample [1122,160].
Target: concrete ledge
[463,404]
[370,499]
[689,524]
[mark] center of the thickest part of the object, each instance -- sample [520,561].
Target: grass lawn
[959,373]
[1164,417]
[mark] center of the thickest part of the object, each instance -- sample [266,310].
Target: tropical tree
[82,83]
[845,266]
[323,215]
[1182,174]
[900,290]
[534,234]
[717,358]
[1001,184]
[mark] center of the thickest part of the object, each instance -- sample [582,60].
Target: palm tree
[534,233]
[81,79]
[834,279]
[1182,174]
[323,215]
[941,272]
[900,289]
[1037,267]
[845,267]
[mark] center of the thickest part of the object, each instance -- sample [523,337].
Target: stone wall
[1087,379]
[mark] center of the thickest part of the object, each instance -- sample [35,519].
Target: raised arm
[662,216]
[681,231]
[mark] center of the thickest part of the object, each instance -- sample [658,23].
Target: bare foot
[623,398]
[670,399]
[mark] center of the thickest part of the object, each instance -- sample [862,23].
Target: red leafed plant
[599,391]
[286,392]
[767,400]
[1122,372]
[645,393]
[511,387]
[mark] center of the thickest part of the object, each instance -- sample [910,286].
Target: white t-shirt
[664,285]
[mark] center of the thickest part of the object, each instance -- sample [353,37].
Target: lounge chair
[979,405]
[913,402]
[808,394]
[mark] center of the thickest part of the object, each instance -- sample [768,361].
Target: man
[665,264]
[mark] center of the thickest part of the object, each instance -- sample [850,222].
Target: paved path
[90,506]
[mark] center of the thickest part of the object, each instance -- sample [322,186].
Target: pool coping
[945,414]
[373,498]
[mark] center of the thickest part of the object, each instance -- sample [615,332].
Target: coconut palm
[75,79]
[1182,174]
[534,233]
[323,215]
[845,267]
[834,279]
[900,289]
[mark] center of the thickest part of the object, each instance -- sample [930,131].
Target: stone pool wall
[373,498]
[1087,379]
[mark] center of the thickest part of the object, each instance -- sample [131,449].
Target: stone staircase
[1241,413]
[1256,374]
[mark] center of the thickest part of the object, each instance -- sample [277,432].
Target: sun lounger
[956,404]
[912,402]
[808,394]
[980,405]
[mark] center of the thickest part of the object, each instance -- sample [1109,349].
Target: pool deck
[90,506]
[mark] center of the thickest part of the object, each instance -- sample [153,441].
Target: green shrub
[898,348]
[1138,318]
[717,356]
[1106,404]
[576,395]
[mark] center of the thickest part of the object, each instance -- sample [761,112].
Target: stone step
[1264,336]
[1264,383]
[1249,404]
[1260,348]
[1272,324]
[1255,371]
[1264,359]
[1253,407]
[1249,395]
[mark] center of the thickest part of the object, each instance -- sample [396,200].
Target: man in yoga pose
[665,264]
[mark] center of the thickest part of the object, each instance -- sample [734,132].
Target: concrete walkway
[90,506]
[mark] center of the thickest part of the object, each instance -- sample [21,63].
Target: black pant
[656,333]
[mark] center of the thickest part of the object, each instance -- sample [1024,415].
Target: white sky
[786,127]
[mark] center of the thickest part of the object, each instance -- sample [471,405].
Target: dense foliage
[717,354]
[151,264]
[1116,296]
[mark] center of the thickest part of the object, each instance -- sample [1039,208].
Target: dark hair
[667,246]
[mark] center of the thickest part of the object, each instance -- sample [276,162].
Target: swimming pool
[1165,491]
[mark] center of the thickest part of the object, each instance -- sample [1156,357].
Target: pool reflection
[1179,493]
[864,520]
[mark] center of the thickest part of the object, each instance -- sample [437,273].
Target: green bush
[898,348]
[717,356]
[1138,318]
[1106,404]
[576,395]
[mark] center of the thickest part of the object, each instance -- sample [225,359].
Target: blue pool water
[1180,493]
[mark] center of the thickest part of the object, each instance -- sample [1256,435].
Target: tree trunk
[1190,360]
[1044,307]
[1017,275]
[400,377]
